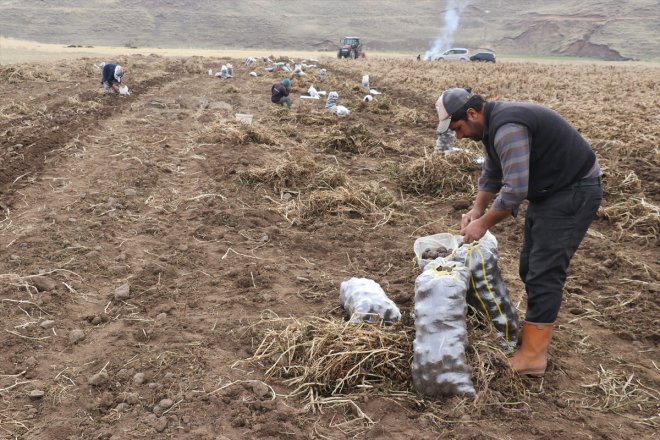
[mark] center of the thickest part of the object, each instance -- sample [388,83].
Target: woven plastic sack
[332,100]
[487,292]
[364,300]
[440,367]
[430,247]
[365,81]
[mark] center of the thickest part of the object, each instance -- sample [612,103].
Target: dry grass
[635,217]
[302,115]
[225,131]
[353,138]
[439,175]
[626,204]
[358,202]
[14,110]
[286,173]
[329,362]
[326,357]
[296,171]
[24,72]
[619,392]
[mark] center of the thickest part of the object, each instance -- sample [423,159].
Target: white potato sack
[364,300]
[440,367]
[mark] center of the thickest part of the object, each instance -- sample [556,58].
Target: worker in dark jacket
[531,153]
[280,93]
[111,75]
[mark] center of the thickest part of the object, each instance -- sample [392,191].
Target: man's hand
[473,231]
[474,224]
[472,215]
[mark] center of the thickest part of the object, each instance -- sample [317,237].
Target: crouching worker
[531,153]
[280,93]
[111,75]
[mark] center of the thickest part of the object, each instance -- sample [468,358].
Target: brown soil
[215,226]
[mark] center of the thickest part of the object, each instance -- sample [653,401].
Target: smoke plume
[450,19]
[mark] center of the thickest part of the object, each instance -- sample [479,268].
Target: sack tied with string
[440,367]
[487,292]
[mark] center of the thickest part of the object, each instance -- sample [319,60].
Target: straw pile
[325,357]
[231,132]
[348,202]
[626,204]
[438,175]
[311,117]
[284,174]
[297,171]
[14,74]
[353,138]
[325,361]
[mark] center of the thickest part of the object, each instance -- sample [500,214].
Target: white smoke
[451,18]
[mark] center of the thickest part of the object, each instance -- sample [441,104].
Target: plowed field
[228,235]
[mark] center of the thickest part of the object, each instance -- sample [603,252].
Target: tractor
[350,48]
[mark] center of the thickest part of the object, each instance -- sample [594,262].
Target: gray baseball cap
[451,101]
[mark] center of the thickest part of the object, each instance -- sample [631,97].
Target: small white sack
[342,111]
[210,72]
[365,81]
[123,90]
[312,92]
[331,102]
[298,70]
[374,92]
[253,73]
[365,301]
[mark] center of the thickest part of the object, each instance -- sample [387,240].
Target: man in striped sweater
[531,153]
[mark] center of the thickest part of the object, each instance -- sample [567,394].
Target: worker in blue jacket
[111,75]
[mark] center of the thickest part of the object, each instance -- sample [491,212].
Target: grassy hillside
[607,30]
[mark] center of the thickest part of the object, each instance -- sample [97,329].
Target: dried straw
[439,175]
[620,392]
[349,202]
[356,139]
[231,132]
[325,357]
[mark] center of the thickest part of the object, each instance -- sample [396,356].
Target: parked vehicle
[454,54]
[487,57]
[351,47]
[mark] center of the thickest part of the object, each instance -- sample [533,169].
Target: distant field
[13,51]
